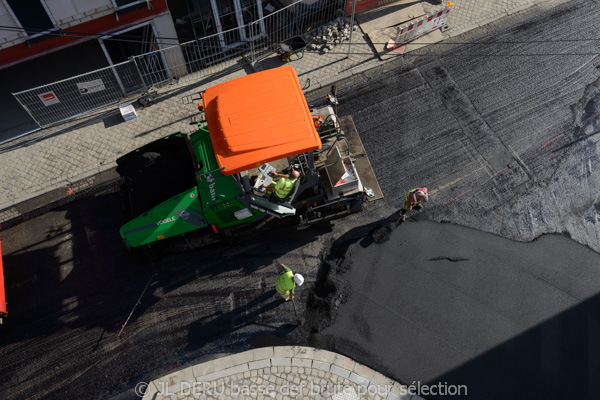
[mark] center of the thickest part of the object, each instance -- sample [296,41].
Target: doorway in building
[221,23]
[140,40]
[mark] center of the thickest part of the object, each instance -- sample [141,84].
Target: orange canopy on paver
[259,118]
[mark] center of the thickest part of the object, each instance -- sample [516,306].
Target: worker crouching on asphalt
[413,200]
[286,283]
[281,189]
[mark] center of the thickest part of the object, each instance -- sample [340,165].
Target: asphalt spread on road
[439,303]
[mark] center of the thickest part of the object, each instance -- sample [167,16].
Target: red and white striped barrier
[3,311]
[422,26]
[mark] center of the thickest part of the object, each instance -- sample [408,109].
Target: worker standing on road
[283,187]
[413,200]
[286,283]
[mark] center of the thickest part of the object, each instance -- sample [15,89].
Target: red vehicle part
[3,311]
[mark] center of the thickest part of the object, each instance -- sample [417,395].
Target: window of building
[124,3]
[193,18]
[31,15]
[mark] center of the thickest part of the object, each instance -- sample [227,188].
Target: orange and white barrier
[422,26]
[3,311]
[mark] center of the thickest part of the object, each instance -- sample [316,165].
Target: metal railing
[185,62]
[209,55]
[68,98]
[294,20]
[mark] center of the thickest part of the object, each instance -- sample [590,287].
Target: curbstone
[223,363]
[283,352]
[301,362]
[344,362]
[344,373]
[175,378]
[461,31]
[519,8]
[304,352]
[177,387]
[374,377]
[398,393]
[243,357]
[492,19]
[205,368]
[392,396]
[262,353]
[238,369]
[325,356]
[259,364]
[363,68]
[359,380]
[281,362]
[337,78]
[321,366]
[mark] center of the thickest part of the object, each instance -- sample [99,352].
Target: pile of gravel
[326,37]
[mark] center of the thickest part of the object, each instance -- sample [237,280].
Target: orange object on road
[3,311]
[259,118]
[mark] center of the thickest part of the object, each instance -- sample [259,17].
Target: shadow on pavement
[70,268]
[219,324]
[558,359]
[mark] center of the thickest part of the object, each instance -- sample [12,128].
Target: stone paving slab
[253,377]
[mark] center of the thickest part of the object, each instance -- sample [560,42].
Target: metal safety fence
[185,62]
[294,20]
[68,98]
[209,55]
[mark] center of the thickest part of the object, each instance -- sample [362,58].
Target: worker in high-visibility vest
[286,283]
[281,189]
[413,200]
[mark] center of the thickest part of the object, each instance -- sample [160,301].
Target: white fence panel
[62,100]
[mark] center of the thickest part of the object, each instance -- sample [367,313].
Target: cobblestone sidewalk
[286,372]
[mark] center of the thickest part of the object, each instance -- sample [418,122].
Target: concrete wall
[174,56]
[8,38]
[68,13]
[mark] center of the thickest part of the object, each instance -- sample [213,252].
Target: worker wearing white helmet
[286,283]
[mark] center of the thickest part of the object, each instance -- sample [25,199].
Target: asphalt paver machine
[198,188]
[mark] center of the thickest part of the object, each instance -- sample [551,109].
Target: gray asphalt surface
[502,134]
[72,284]
[503,130]
[441,303]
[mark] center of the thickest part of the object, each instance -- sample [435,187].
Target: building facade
[44,41]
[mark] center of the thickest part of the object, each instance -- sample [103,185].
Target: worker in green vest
[283,187]
[286,283]
[413,200]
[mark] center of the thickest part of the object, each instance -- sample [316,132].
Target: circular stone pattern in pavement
[286,373]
